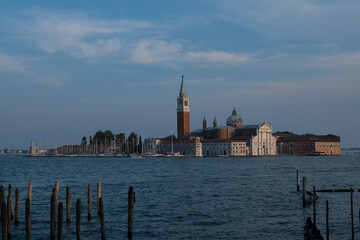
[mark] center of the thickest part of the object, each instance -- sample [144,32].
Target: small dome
[234,120]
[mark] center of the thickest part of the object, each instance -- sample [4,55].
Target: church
[233,139]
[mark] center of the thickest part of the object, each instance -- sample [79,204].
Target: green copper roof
[182,88]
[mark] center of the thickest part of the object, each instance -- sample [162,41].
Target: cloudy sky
[70,68]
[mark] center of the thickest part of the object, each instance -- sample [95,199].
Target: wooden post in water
[78,219]
[89,202]
[52,217]
[28,219]
[352,214]
[30,191]
[1,201]
[4,219]
[314,206]
[304,192]
[56,198]
[102,219]
[98,197]
[327,220]
[9,216]
[68,203]
[16,206]
[131,202]
[297,181]
[60,221]
[1,187]
[3,197]
[11,203]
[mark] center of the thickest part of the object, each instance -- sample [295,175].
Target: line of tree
[101,142]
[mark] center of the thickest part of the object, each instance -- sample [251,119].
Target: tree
[99,137]
[120,141]
[132,142]
[83,141]
[109,137]
[90,140]
[140,145]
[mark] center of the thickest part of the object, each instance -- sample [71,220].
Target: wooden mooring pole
[352,215]
[52,216]
[11,203]
[98,197]
[3,197]
[60,221]
[28,219]
[297,181]
[102,219]
[1,188]
[30,191]
[314,206]
[4,221]
[327,220]
[78,219]
[68,203]
[56,198]
[304,192]
[89,202]
[131,202]
[9,216]
[16,206]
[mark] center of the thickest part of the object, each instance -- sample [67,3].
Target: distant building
[234,139]
[293,144]
[87,149]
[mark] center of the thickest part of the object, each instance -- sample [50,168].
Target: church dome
[234,120]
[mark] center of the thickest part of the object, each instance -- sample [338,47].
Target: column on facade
[258,135]
[267,143]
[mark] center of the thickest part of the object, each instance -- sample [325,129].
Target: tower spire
[183,111]
[204,124]
[234,111]
[182,92]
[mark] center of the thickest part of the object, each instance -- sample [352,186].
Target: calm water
[202,198]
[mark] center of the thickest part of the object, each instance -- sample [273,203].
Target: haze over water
[188,198]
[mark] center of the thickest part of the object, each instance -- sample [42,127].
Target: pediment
[265,126]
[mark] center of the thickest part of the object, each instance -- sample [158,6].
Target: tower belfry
[183,112]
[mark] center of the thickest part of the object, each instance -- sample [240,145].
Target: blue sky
[70,68]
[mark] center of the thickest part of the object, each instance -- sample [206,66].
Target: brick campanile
[183,112]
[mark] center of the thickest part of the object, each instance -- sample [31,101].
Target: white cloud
[155,51]
[85,37]
[75,34]
[11,63]
[295,19]
[161,51]
[216,57]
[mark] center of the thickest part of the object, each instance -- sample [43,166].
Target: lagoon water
[188,198]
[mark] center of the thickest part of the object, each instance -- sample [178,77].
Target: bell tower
[183,112]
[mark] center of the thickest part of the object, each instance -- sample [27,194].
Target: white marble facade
[263,143]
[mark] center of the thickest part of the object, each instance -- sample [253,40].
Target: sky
[71,68]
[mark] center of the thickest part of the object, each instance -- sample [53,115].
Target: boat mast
[172,143]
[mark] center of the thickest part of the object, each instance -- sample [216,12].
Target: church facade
[232,139]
